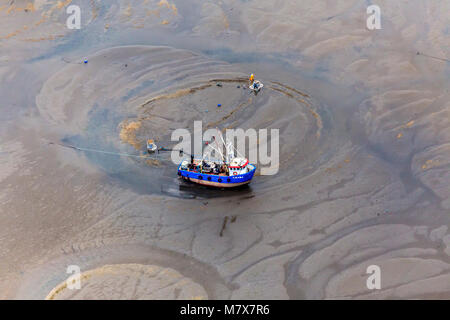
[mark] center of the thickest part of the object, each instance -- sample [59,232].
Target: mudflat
[364,174]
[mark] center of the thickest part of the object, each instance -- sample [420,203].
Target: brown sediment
[128,11]
[427,164]
[168,5]
[164,3]
[409,124]
[92,282]
[174,9]
[128,130]
[153,162]
[62,4]
[239,80]
[290,95]
[52,295]
[318,121]
[153,12]
[51,37]
[30,9]
[94,10]
[42,20]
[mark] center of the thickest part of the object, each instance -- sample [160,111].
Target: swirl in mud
[330,195]
[136,282]
[132,74]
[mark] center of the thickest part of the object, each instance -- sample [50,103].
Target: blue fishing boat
[217,174]
[228,172]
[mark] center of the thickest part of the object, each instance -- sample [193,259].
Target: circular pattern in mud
[129,281]
[126,95]
[123,272]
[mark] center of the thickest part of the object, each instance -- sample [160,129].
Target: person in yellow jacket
[252,78]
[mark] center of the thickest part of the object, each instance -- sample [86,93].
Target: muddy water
[363,176]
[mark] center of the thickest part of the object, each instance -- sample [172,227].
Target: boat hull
[218,180]
[252,87]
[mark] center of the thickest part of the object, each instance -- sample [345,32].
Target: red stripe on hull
[217,184]
[238,167]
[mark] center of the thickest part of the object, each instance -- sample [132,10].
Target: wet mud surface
[364,175]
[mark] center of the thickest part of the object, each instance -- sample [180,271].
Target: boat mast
[227,160]
[218,150]
[224,159]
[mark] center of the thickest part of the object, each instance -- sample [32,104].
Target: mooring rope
[433,57]
[106,152]
[70,62]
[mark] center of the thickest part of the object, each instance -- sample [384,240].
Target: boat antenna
[238,153]
[208,153]
[229,144]
[218,148]
[223,141]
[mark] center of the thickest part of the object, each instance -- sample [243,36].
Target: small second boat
[151,146]
[256,86]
